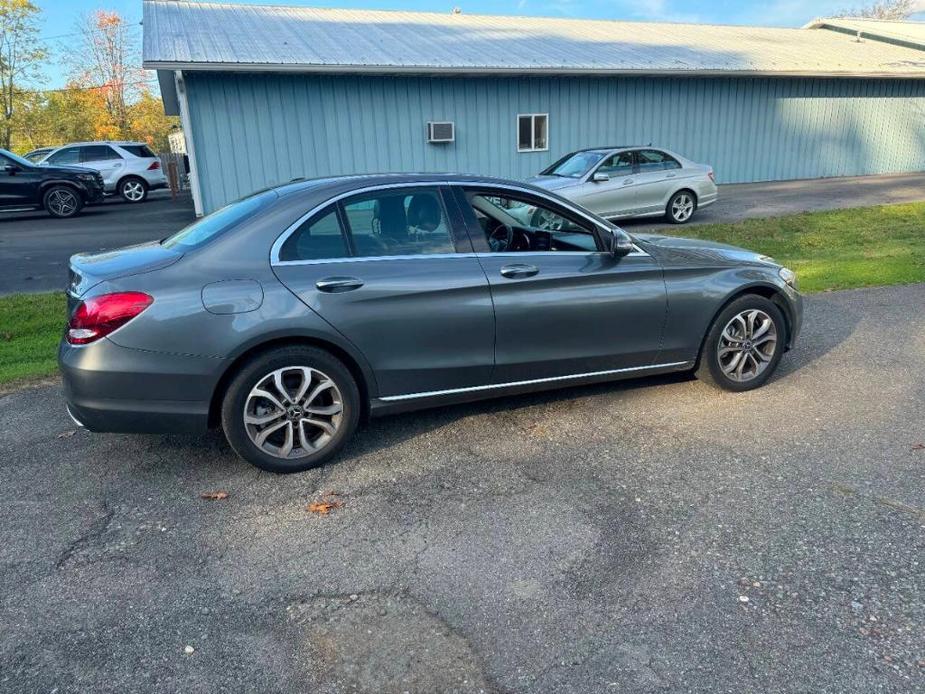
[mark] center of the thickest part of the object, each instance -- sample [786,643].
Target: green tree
[20,57]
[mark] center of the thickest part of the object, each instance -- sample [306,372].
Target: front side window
[532,131]
[69,155]
[653,160]
[98,153]
[620,164]
[405,222]
[512,224]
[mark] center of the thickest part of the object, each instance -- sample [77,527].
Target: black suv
[62,190]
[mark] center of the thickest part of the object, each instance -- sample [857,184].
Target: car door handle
[519,270]
[670,175]
[332,285]
[627,181]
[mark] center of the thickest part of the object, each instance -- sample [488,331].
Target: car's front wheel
[133,189]
[744,344]
[681,207]
[290,409]
[62,201]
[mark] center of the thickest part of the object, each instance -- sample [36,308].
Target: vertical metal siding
[251,131]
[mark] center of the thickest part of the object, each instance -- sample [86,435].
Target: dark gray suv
[289,315]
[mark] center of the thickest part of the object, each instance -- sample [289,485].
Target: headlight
[789,276]
[86,177]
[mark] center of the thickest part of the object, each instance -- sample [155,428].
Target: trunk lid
[89,269]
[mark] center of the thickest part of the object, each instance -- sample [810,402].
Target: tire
[62,202]
[292,363]
[133,189]
[681,207]
[717,364]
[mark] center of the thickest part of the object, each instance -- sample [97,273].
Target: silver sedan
[620,182]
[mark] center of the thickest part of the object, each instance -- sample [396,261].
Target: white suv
[130,169]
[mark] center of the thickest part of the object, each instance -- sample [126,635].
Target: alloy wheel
[682,207]
[133,190]
[547,221]
[293,412]
[62,202]
[747,345]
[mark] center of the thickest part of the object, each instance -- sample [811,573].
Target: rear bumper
[116,389]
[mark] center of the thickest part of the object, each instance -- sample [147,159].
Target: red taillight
[712,177]
[99,316]
[155,165]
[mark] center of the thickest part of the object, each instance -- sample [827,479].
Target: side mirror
[600,177]
[619,244]
[10,169]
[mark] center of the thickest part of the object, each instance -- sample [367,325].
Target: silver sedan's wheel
[293,412]
[133,190]
[681,207]
[747,345]
[546,220]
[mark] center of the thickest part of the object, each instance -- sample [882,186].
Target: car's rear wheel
[744,345]
[290,409]
[133,189]
[62,201]
[681,207]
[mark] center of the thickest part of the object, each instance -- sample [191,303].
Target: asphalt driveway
[34,249]
[649,536]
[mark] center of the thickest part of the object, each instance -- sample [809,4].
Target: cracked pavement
[653,535]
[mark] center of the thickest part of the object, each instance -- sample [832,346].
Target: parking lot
[34,249]
[648,536]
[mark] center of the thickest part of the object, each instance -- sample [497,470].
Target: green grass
[840,249]
[30,327]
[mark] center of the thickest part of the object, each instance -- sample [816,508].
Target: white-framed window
[532,132]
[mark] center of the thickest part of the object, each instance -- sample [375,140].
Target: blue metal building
[267,94]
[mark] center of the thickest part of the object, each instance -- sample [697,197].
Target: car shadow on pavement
[393,430]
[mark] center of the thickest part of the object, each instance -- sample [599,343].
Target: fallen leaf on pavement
[66,434]
[214,496]
[327,504]
[918,447]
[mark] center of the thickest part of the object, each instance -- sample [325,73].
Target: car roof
[350,181]
[101,142]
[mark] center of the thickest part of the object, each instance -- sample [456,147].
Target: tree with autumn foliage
[107,58]
[108,95]
[19,57]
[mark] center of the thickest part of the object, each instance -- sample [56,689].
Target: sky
[60,16]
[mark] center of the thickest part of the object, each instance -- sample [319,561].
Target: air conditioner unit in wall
[441,131]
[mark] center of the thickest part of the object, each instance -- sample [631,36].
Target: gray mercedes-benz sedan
[289,315]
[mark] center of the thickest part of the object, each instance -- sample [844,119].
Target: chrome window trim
[532,381]
[371,258]
[281,239]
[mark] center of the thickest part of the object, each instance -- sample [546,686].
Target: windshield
[574,165]
[220,221]
[16,158]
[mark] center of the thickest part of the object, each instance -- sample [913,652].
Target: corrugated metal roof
[904,32]
[193,35]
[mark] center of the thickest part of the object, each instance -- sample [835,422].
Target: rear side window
[213,225]
[653,160]
[68,155]
[139,150]
[317,238]
[398,223]
[98,153]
